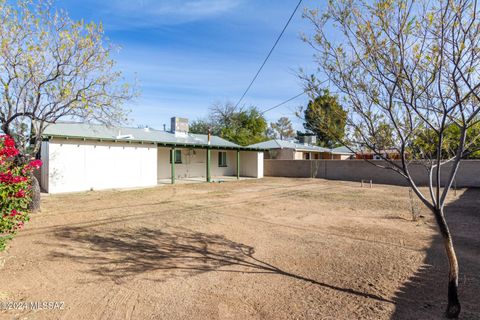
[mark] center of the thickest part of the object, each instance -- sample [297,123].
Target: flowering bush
[15,190]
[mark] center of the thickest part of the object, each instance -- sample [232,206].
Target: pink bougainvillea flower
[14,213]
[35,164]
[20,194]
[14,180]
[8,150]
[9,178]
[9,142]
[6,177]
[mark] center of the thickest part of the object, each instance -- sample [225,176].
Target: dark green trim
[238,164]
[159,144]
[209,160]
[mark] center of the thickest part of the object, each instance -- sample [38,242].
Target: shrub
[15,189]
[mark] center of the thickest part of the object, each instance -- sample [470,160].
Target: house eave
[158,144]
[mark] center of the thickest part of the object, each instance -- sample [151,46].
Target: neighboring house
[392,154]
[79,157]
[289,150]
[343,153]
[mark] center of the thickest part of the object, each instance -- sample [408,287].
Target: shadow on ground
[162,254]
[424,296]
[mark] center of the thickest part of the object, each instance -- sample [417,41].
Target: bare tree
[221,114]
[52,67]
[282,129]
[412,65]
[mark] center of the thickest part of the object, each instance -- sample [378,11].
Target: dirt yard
[260,249]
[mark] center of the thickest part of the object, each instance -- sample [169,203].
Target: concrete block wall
[468,174]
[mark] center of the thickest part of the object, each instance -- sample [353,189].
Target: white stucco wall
[251,164]
[230,169]
[194,164]
[76,165]
[298,155]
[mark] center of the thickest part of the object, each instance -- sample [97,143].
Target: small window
[178,156]
[222,159]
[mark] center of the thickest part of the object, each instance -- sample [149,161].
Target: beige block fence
[468,174]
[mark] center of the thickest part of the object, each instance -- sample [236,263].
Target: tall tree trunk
[34,205]
[453,308]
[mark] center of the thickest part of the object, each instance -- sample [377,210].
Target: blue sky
[188,54]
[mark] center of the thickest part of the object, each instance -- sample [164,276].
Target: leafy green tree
[381,136]
[325,117]
[246,127]
[242,126]
[426,142]
[281,129]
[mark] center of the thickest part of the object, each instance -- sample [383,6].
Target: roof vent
[307,139]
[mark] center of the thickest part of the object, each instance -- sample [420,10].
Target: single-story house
[81,157]
[343,153]
[393,154]
[290,150]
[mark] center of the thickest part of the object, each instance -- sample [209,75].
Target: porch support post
[209,158]
[172,156]
[238,164]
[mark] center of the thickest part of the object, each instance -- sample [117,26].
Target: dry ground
[268,249]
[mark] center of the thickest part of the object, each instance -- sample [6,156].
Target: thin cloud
[146,13]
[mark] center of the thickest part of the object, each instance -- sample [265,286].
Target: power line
[282,103]
[290,99]
[269,53]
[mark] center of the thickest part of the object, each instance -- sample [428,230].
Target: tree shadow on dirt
[122,254]
[424,296]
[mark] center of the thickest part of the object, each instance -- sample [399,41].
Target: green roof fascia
[162,144]
[206,146]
